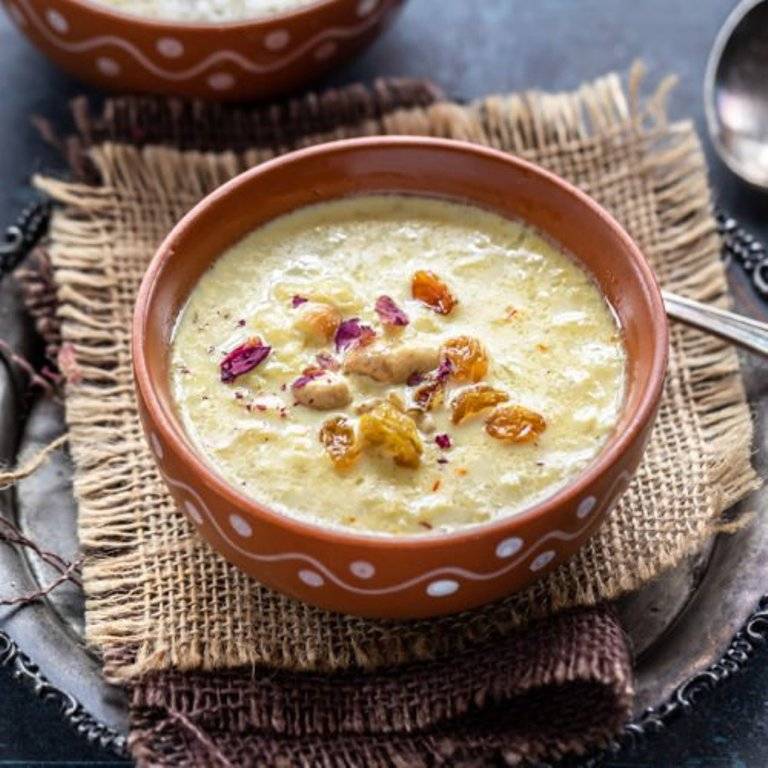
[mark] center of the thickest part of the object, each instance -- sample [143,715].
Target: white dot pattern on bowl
[509,547]
[585,507]
[57,21]
[311,578]
[221,81]
[442,588]
[325,50]
[107,66]
[193,512]
[366,7]
[240,526]
[169,47]
[362,569]
[17,15]
[157,446]
[545,558]
[277,40]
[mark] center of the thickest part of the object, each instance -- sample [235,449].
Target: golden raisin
[338,438]
[470,401]
[515,424]
[428,395]
[428,288]
[468,358]
[395,432]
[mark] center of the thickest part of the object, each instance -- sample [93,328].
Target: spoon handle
[738,329]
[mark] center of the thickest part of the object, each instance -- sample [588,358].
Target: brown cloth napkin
[556,688]
[159,601]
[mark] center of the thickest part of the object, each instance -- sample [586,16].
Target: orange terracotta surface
[405,576]
[235,61]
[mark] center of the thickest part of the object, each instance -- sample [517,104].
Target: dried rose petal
[389,313]
[444,370]
[327,361]
[443,441]
[367,335]
[414,379]
[430,393]
[352,332]
[307,375]
[243,359]
[297,301]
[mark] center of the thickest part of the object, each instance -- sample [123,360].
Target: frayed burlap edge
[528,123]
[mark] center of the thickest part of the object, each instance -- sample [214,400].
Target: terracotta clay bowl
[413,575]
[234,61]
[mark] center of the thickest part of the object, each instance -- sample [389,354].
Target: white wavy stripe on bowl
[53,34]
[438,586]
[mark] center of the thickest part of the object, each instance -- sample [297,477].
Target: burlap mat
[157,597]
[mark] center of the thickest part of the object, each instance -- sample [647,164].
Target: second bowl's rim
[164,26]
[617,445]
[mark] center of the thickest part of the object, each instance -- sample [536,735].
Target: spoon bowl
[735,93]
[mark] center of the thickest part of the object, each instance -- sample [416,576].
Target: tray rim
[71,710]
[735,660]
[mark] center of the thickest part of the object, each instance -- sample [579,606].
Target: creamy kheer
[398,365]
[204,11]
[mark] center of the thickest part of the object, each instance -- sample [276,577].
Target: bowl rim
[172,430]
[168,26]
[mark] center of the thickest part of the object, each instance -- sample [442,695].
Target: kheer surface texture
[334,365]
[203,11]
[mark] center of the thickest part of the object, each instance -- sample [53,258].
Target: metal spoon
[738,329]
[736,92]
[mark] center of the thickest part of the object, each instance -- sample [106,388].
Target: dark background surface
[470,49]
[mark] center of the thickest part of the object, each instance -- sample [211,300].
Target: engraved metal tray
[690,629]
